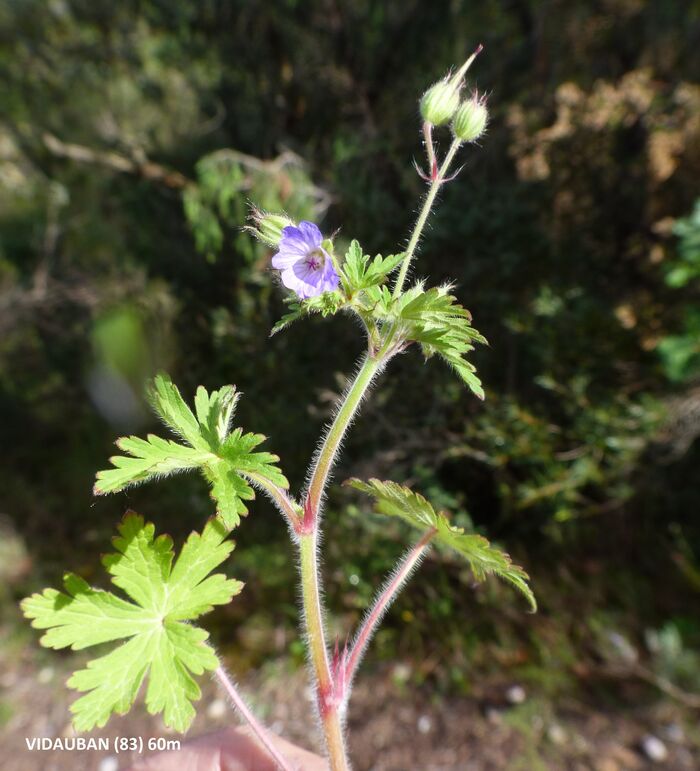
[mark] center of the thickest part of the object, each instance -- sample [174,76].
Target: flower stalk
[436,183]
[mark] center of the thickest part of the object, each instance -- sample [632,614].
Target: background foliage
[132,136]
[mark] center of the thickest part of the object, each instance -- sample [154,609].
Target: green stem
[329,704]
[423,216]
[318,650]
[330,699]
[329,449]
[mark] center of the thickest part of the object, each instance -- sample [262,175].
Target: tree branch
[153,172]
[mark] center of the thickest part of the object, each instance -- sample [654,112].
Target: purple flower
[305,265]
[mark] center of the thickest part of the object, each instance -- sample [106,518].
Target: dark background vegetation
[132,135]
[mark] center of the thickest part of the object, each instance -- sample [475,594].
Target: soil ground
[391,727]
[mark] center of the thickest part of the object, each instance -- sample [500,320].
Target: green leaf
[147,459]
[360,271]
[161,645]
[295,313]
[325,304]
[395,500]
[225,457]
[434,319]
[169,405]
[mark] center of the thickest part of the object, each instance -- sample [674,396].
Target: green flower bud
[440,102]
[470,120]
[268,227]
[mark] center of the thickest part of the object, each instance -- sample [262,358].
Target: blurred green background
[132,136]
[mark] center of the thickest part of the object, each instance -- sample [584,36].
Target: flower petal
[305,272]
[310,233]
[291,231]
[303,288]
[330,278]
[285,259]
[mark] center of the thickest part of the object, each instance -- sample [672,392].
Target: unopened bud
[470,120]
[440,102]
[268,227]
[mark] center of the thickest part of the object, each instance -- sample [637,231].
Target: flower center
[315,260]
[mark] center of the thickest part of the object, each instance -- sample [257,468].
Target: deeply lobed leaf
[225,457]
[161,645]
[396,500]
[434,319]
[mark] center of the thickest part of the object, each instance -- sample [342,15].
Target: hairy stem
[318,651]
[387,595]
[284,503]
[309,534]
[262,734]
[435,185]
[330,694]
[329,449]
[313,610]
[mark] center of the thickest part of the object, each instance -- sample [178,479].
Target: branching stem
[385,598]
[318,651]
[308,548]
[330,694]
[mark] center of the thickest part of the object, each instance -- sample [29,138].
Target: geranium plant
[150,619]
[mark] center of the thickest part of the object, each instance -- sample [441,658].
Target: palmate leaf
[395,500]
[434,319]
[161,644]
[226,458]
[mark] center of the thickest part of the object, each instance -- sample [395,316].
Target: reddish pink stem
[387,595]
[262,734]
[430,150]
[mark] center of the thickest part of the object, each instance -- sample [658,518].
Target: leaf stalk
[385,598]
[262,734]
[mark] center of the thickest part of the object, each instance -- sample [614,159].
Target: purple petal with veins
[305,265]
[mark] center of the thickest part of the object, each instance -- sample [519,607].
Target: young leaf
[225,457]
[397,501]
[161,645]
[442,326]
[360,271]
